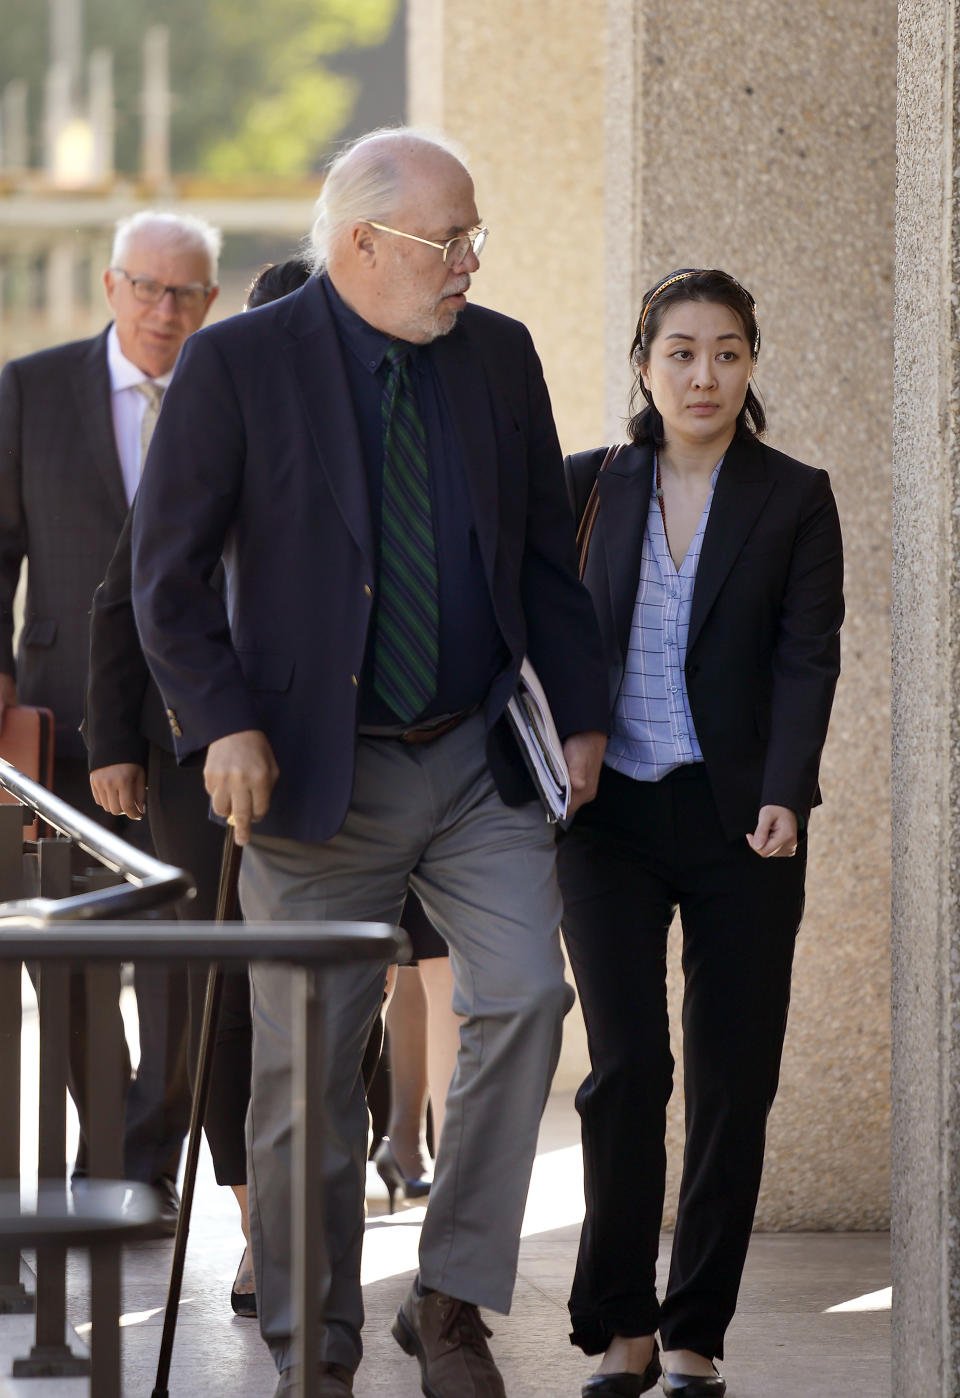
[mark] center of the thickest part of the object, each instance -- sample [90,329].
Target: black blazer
[256,456]
[62,503]
[763,650]
[124,711]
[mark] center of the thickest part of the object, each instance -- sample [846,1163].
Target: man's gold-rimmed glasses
[454,249]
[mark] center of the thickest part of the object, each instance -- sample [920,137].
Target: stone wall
[612,143]
[926,686]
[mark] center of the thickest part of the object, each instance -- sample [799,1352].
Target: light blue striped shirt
[652,730]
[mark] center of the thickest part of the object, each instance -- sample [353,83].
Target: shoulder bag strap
[589,517]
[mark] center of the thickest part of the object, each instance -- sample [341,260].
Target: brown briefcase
[26,741]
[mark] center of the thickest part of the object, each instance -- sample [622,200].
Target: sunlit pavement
[814,1315]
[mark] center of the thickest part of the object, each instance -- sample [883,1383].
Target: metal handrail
[149,882]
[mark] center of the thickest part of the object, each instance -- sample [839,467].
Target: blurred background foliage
[258,86]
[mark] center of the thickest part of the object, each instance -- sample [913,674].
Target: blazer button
[354,678]
[367,590]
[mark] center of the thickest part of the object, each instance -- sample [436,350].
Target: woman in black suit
[715,567]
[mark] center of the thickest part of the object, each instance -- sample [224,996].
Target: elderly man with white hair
[75,422]
[376,461]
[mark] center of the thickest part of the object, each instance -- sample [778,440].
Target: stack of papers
[536,733]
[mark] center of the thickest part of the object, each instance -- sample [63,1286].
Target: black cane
[226,911]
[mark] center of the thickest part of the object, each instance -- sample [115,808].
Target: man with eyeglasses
[75,421]
[377,462]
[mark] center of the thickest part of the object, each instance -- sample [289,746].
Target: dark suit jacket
[62,503]
[124,711]
[763,649]
[256,456]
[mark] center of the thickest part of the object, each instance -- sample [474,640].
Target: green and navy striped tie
[406,645]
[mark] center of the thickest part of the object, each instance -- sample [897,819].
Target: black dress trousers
[631,858]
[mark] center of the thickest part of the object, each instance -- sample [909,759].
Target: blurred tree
[252,93]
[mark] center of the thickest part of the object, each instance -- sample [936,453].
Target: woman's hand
[776,834]
[583,753]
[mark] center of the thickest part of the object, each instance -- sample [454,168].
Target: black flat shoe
[244,1303]
[623,1385]
[393,1177]
[694,1385]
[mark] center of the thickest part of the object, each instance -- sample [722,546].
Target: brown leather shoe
[449,1339]
[335,1382]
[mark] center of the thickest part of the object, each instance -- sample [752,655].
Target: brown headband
[682,277]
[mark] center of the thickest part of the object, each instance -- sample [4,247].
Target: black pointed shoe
[694,1385]
[624,1385]
[244,1303]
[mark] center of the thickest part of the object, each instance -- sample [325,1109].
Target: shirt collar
[368,344]
[123,373]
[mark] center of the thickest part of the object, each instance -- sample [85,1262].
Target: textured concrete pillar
[926,710]
[522,87]
[614,140]
[156,106]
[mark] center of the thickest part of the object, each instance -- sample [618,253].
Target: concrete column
[66,45]
[101,114]
[59,287]
[612,141]
[522,87]
[57,115]
[623,204]
[155,145]
[14,117]
[765,145]
[926,709]
[425,66]
[17,319]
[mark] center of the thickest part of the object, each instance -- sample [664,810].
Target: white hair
[363,182]
[183,229]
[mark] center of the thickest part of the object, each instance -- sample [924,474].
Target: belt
[420,732]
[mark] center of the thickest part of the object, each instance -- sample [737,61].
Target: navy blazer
[256,456]
[62,502]
[763,649]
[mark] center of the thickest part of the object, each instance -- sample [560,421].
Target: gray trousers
[429,815]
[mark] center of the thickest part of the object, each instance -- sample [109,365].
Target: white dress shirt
[128,406]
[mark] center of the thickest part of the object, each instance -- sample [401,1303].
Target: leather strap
[589,517]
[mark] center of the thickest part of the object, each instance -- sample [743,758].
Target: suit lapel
[317,364]
[471,408]
[742,489]
[91,388]
[624,491]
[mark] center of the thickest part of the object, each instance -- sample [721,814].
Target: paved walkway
[813,1321]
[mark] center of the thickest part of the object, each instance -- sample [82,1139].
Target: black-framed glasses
[187,298]
[454,249]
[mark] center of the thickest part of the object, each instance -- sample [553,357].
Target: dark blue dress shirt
[472,649]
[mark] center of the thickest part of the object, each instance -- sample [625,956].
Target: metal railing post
[14,1297]
[51,1355]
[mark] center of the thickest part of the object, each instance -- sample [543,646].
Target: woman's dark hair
[277,280]
[690,284]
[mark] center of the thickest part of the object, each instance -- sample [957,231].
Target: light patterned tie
[407,642]
[153,393]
